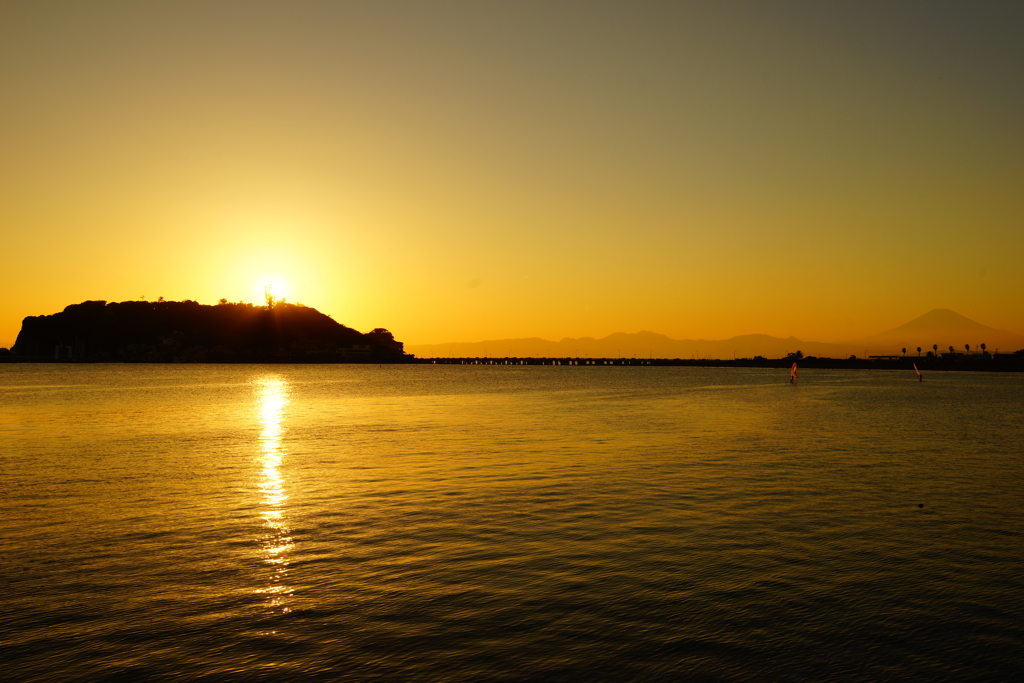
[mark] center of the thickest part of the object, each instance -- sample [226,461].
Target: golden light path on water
[431,522]
[271,401]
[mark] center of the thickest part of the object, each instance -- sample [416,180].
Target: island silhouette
[187,331]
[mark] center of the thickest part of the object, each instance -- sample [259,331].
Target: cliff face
[188,331]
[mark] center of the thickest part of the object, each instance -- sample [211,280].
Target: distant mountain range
[944,328]
[940,327]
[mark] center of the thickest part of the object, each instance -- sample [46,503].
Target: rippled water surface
[509,523]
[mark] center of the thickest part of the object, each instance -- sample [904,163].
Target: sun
[272,285]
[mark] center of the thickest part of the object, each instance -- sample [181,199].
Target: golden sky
[459,171]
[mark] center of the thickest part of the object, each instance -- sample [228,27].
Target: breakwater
[975,363]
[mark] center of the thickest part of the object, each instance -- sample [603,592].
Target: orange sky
[469,171]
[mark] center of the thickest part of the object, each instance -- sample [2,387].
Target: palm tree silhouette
[935,348]
[918,351]
[951,349]
[983,347]
[967,347]
[904,350]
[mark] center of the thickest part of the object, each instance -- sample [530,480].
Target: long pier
[976,363]
[547,361]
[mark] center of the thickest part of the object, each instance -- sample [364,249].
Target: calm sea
[509,523]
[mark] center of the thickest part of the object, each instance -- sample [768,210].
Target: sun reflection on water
[271,401]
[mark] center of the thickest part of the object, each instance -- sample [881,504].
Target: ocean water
[509,523]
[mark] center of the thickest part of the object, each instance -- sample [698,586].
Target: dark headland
[187,331]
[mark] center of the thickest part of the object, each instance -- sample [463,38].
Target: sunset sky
[460,171]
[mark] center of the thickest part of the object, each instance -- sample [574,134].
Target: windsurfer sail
[919,377]
[792,374]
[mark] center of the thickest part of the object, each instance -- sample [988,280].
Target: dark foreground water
[509,523]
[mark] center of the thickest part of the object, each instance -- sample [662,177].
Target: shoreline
[1007,363]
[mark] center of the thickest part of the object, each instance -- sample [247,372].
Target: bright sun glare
[274,285]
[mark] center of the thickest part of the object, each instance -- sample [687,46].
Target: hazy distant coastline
[186,331]
[940,328]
